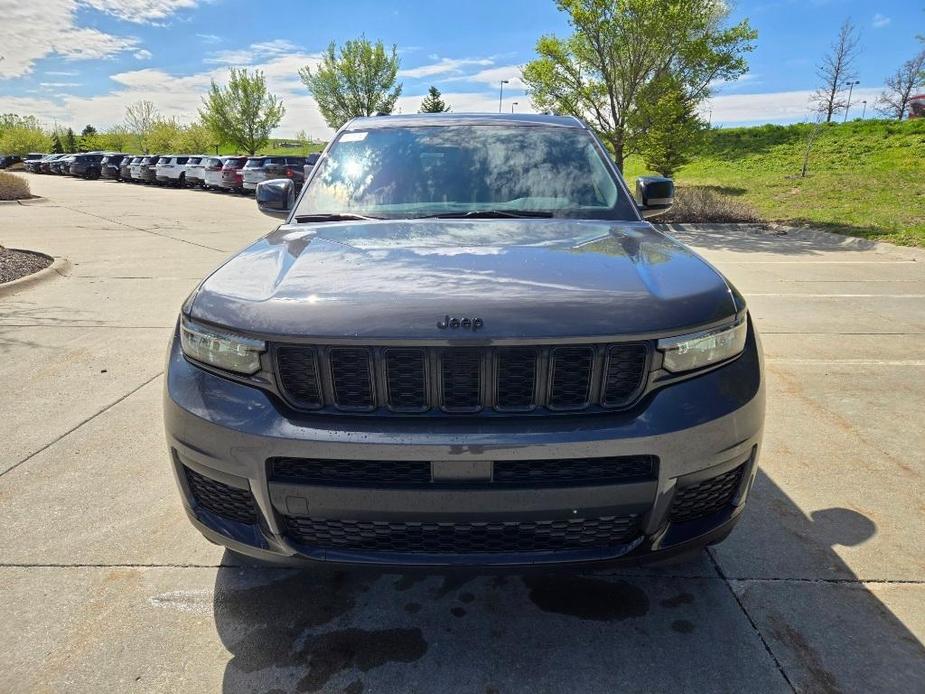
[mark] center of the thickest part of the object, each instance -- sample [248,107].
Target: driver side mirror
[276,197]
[656,195]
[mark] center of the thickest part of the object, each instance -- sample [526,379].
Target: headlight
[696,350]
[220,348]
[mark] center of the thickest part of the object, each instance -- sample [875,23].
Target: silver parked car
[212,172]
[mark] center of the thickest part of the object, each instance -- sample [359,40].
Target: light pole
[501,93]
[513,104]
[864,112]
[851,86]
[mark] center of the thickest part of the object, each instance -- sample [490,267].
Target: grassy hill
[865,178]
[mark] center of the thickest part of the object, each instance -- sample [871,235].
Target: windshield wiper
[489,214]
[332,217]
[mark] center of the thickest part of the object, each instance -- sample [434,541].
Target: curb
[58,267]
[24,201]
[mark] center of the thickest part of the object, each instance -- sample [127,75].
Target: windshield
[440,170]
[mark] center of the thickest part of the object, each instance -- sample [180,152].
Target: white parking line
[848,362]
[837,296]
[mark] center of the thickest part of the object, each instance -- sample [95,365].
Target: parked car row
[234,173]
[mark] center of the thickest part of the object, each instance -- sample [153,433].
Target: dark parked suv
[87,165]
[111,165]
[465,346]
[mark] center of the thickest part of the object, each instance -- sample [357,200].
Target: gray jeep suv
[464,346]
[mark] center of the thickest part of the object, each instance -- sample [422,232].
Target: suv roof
[463,119]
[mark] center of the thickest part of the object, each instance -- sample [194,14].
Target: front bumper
[700,430]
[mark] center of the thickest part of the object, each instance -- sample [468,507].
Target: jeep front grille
[462,380]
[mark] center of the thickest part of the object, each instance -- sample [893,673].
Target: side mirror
[656,195]
[276,197]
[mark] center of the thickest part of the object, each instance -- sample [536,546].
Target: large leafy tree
[163,136]
[359,80]
[620,46]
[433,102]
[244,112]
[196,138]
[70,141]
[23,139]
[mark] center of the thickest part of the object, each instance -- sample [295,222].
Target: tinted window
[235,163]
[164,160]
[182,160]
[313,158]
[297,161]
[419,171]
[255,163]
[194,160]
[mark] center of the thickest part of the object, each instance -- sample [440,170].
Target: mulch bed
[16,264]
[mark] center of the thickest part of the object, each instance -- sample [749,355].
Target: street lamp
[864,112]
[501,93]
[851,86]
[513,104]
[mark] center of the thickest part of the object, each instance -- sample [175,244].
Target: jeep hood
[532,278]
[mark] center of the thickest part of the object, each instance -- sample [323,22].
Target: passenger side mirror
[656,195]
[276,197]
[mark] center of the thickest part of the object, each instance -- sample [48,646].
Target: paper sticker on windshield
[353,137]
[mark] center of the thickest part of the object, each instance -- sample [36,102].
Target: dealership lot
[108,588]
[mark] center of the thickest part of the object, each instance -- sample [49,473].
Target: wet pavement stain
[413,607]
[337,651]
[458,612]
[451,584]
[466,598]
[682,626]
[588,598]
[407,582]
[355,687]
[678,600]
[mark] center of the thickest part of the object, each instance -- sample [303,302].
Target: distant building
[917,106]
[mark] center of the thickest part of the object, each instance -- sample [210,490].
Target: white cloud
[62,73]
[443,66]
[253,53]
[209,38]
[29,27]
[492,76]
[140,11]
[143,54]
[880,21]
[58,85]
[774,106]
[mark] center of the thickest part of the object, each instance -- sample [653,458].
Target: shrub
[13,187]
[707,204]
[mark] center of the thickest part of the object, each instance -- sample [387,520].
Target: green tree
[243,113]
[140,117]
[433,103]
[196,138]
[56,146]
[89,139]
[70,141]
[116,138]
[163,136]
[23,139]
[359,81]
[620,46]
[668,125]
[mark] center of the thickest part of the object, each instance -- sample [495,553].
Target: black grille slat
[463,538]
[351,378]
[298,374]
[571,377]
[461,374]
[525,380]
[586,471]
[347,472]
[406,379]
[707,497]
[626,365]
[221,499]
[516,379]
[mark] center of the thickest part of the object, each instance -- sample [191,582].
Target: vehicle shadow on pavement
[692,626]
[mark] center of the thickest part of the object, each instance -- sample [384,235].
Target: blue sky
[80,61]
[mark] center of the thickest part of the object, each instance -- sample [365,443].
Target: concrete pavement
[106,587]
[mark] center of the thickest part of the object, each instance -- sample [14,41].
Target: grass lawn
[865,178]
